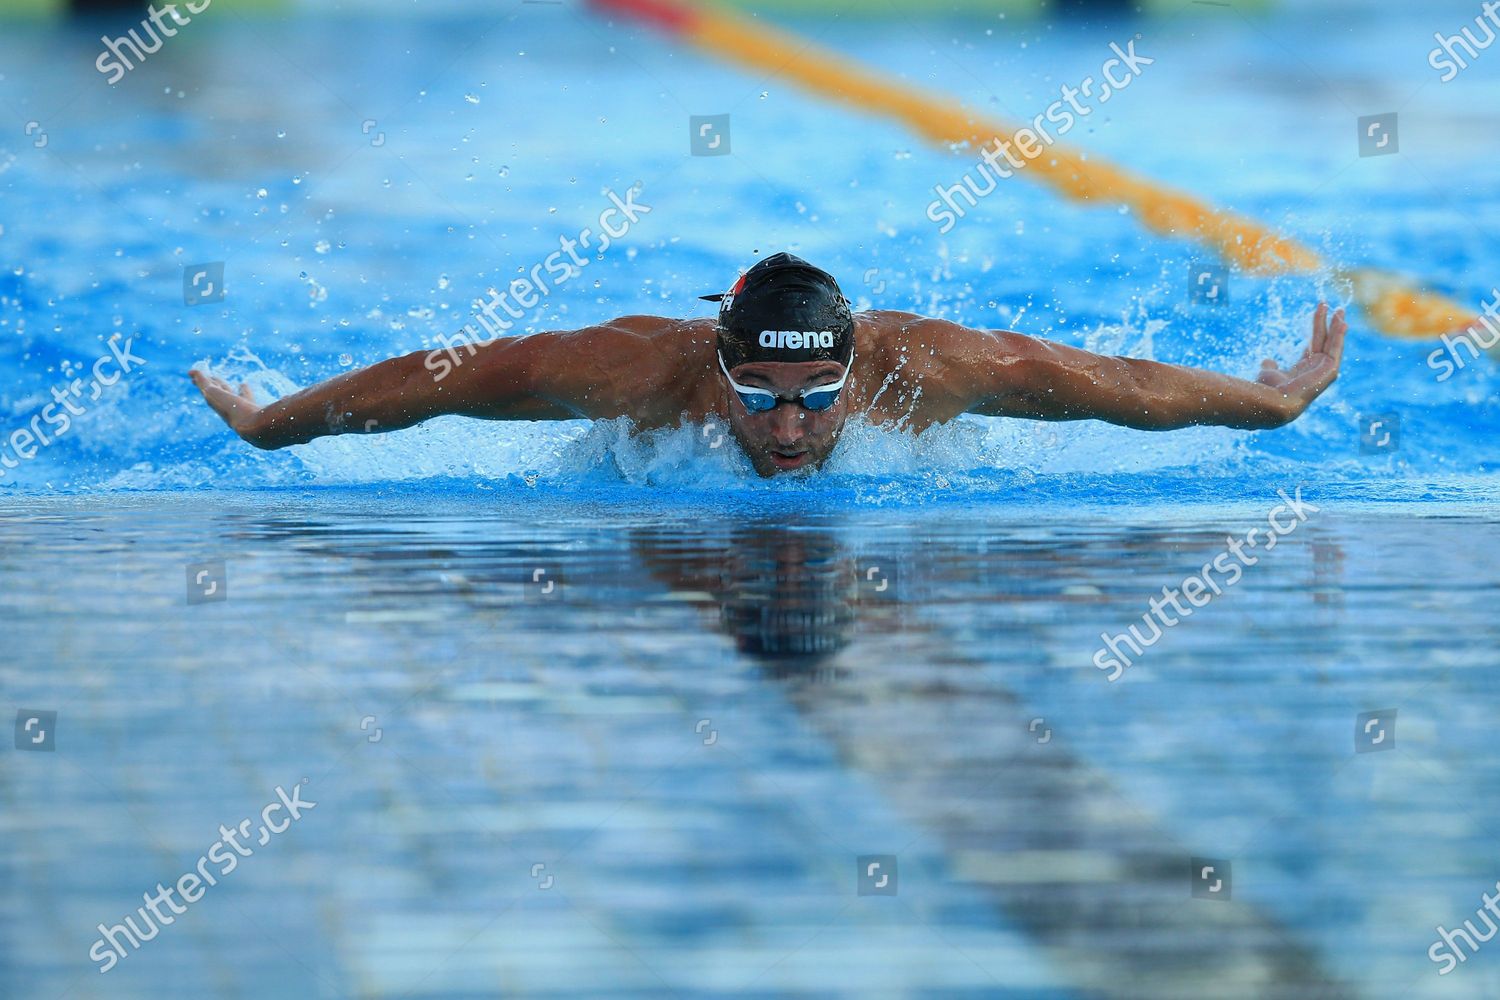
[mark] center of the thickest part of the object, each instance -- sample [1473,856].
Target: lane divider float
[1392,304]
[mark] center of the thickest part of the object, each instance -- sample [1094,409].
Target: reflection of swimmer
[783,368]
[788,597]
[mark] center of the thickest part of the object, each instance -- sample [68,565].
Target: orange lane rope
[1392,305]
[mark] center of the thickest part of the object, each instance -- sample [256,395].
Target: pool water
[586,714]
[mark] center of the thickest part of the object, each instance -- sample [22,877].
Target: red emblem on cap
[729,296]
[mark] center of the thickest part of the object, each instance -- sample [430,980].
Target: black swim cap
[784,309]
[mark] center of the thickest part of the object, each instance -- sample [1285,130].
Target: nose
[787,424]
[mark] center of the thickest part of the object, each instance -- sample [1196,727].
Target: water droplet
[261,194]
[472,98]
[281,133]
[443,281]
[345,360]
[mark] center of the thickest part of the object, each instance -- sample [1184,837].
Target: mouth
[788,460]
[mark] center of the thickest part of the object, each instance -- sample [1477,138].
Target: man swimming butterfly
[784,366]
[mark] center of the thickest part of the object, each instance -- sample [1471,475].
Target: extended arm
[546,376]
[1018,376]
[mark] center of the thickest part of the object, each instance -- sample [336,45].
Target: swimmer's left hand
[1315,371]
[237,407]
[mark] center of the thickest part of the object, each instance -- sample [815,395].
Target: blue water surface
[664,774]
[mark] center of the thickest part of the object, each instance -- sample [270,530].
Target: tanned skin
[909,371]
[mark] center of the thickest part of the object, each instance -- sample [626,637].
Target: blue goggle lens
[756,403]
[815,401]
[819,401]
[764,401]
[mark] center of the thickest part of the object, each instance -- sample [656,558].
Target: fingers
[1271,375]
[1335,345]
[1319,376]
[1320,329]
[205,381]
[209,384]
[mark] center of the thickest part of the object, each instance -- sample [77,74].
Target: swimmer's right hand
[238,408]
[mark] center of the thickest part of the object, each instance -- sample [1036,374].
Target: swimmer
[783,367]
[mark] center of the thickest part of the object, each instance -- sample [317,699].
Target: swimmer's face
[789,436]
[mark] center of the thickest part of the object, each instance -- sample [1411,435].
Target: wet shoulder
[659,342]
[670,363]
[890,338]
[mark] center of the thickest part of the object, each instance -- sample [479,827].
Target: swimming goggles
[817,399]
